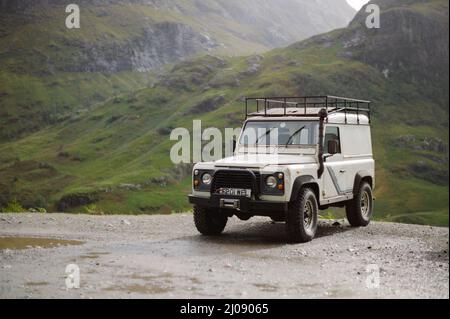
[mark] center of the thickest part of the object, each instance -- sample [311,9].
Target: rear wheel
[301,219]
[360,209]
[209,222]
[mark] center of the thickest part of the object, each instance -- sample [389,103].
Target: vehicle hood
[263,160]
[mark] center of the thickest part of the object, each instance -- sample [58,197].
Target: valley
[112,156]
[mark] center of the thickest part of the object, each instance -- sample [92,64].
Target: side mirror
[234,145]
[333,147]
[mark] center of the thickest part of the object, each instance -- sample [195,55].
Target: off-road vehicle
[294,157]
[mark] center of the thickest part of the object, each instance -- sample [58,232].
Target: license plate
[235,192]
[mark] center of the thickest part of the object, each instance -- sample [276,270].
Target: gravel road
[165,257]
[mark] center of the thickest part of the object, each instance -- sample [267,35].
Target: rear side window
[332,133]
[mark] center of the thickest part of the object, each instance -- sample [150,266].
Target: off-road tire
[360,209]
[299,229]
[209,222]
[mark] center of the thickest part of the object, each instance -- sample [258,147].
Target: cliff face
[412,43]
[411,46]
[159,44]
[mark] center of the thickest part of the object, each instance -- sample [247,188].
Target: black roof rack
[307,106]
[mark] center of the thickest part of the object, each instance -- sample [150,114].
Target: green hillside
[49,73]
[115,157]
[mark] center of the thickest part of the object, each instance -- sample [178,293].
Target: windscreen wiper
[264,135]
[294,134]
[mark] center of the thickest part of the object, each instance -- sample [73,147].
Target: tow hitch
[230,203]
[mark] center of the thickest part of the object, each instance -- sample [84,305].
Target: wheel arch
[302,181]
[362,176]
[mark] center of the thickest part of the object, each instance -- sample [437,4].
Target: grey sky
[357,4]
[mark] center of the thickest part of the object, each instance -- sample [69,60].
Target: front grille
[235,179]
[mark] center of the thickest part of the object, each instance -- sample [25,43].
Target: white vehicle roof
[278,114]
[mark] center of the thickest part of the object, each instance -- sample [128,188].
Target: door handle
[342,171]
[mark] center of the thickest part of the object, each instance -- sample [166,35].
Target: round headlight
[196,172]
[271,182]
[206,178]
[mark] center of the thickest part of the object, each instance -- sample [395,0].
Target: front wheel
[302,216]
[209,222]
[360,209]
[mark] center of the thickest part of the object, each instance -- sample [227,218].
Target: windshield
[281,133]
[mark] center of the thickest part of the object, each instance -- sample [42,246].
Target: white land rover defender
[295,156]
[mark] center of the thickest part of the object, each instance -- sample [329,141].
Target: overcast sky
[357,4]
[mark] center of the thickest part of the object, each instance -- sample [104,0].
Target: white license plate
[235,192]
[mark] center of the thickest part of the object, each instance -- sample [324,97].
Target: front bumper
[246,205]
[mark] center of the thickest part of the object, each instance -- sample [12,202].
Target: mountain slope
[116,157]
[48,71]
[151,30]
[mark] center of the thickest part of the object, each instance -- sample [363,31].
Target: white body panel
[340,170]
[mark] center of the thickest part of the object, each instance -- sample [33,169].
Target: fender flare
[300,182]
[358,178]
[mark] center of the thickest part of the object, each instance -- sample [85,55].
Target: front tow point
[230,203]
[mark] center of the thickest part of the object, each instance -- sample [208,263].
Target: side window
[332,133]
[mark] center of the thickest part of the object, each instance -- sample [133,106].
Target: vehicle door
[335,172]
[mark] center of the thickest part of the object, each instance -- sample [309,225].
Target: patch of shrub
[92,209]
[64,154]
[45,165]
[164,130]
[39,201]
[208,105]
[76,200]
[14,207]
[77,158]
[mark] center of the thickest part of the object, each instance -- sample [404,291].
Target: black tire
[360,209]
[209,222]
[302,216]
[243,217]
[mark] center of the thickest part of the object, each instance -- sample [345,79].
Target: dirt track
[165,257]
